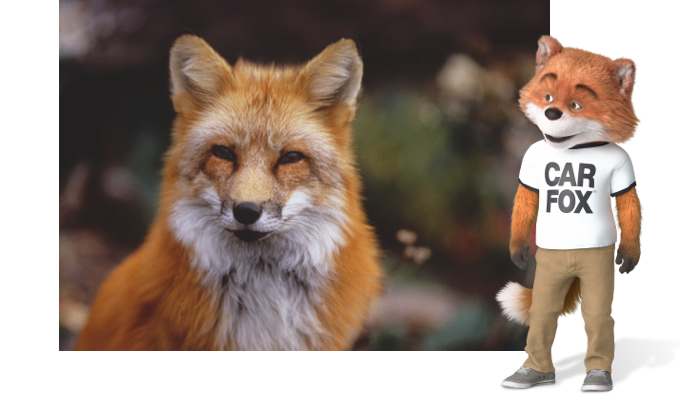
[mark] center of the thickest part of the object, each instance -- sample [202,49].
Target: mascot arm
[630,220]
[523,218]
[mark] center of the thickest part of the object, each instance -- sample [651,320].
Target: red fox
[261,241]
[578,99]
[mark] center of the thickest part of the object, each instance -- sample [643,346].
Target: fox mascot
[581,102]
[260,242]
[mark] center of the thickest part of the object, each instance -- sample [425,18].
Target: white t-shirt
[574,188]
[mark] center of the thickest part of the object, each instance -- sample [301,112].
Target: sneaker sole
[518,385]
[596,387]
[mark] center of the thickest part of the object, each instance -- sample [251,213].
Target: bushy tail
[515,300]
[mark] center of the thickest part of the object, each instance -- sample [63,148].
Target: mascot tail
[515,300]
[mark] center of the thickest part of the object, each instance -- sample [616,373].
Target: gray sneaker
[598,380]
[526,377]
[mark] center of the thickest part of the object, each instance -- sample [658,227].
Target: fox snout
[250,221]
[247,213]
[553,114]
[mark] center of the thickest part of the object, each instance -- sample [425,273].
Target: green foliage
[392,337]
[419,170]
[467,330]
[144,161]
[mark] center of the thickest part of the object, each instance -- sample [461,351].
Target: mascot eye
[291,157]
[549,98]
[575,106]
[222,152]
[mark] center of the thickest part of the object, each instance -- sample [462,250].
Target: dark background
[439,138]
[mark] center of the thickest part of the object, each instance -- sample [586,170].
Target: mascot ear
[625,74]
[547,47]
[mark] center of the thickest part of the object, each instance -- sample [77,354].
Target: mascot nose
[247,213]
[553,114]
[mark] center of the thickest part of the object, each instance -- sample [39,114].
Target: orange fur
[629,214]
[524,215]
[611,80]
[602,88]
[162,297]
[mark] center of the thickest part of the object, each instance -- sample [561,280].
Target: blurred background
[439,138]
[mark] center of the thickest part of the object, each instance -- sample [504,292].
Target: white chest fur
[269,291]
[270,306]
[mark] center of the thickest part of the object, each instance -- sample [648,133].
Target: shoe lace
[524,370]
[601,373]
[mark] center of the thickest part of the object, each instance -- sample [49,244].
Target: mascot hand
[520,256]
[626,261]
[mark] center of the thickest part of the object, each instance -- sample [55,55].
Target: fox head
[578,97]
[260,153]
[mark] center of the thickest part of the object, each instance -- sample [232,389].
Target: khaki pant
[555,271]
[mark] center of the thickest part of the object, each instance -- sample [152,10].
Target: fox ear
[547,47]
[625,74]
[196,72]
[334,76]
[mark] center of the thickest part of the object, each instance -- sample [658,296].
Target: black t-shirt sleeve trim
[623,191]
[530,188]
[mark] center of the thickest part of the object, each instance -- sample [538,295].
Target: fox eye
[575,106]
[549,98]
[222,152]
[291,157]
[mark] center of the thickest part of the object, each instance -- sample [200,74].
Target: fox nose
[247,213]
[553,114]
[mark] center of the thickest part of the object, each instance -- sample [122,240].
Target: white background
[645,301]
[645,306]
